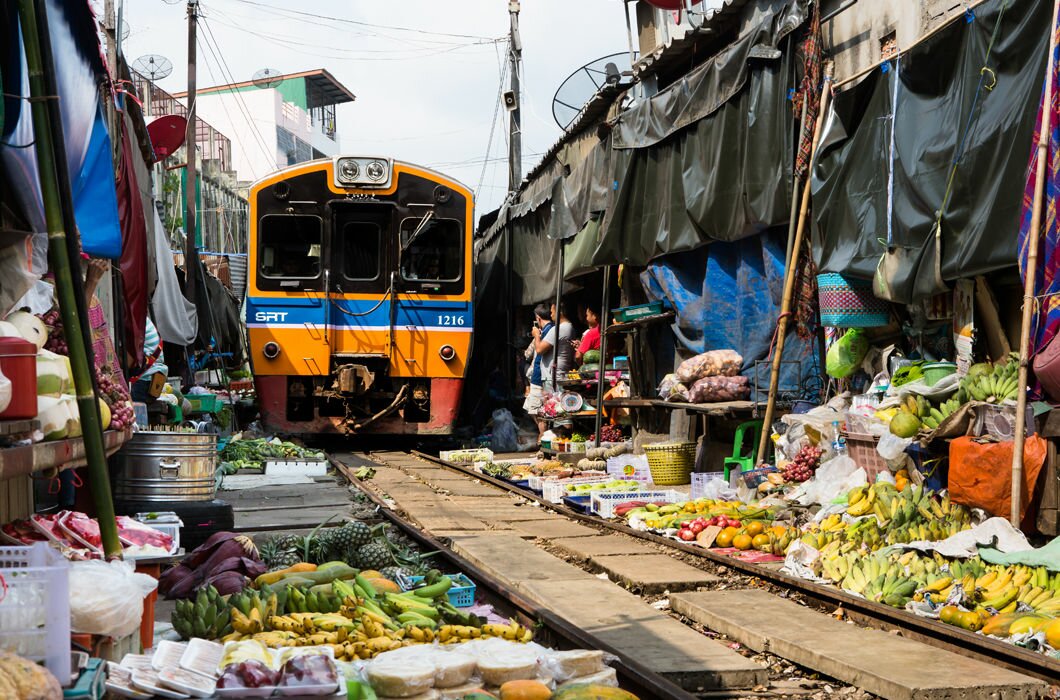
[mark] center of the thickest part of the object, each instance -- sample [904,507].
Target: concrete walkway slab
[509,512]
[469,487]
[512,559]
[622,620]
[552,529]
[653,573]
[892,667]
[584,548]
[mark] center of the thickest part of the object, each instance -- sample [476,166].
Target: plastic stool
[738,459]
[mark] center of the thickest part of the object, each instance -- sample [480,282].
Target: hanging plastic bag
[845,356]
[106,598]
[505,436]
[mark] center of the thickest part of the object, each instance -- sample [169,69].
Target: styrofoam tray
[203,657]
[299,467]
[168,654]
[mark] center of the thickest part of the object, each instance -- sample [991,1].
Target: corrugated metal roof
[676,49]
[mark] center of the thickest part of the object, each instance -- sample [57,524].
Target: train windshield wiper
[418,231]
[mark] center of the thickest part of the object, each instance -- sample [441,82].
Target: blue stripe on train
[282,312]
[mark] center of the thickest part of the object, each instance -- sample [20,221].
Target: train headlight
[271,350]
[376,170]
[349,171]
[447,352]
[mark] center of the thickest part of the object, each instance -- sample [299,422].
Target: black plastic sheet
[938,82]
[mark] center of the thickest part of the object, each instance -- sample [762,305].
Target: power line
[241,104]
[238,134]
[493,125]
[365,24]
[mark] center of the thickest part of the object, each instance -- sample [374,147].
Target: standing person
[535,392]
[556,350]
[590,338]
[153,364]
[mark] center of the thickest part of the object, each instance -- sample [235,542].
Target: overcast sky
[428,95]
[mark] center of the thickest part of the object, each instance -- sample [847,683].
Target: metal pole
[605,304]
[789,273]
[555,319]
[515,130]
[190,254]
[1029,275]
[45,129]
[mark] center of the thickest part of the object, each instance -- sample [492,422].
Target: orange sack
[981,473]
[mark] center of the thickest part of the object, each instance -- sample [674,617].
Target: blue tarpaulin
[728,295]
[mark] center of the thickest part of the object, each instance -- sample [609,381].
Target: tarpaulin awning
[936,86]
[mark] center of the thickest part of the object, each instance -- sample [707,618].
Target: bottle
[839,444]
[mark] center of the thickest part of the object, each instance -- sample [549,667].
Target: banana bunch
[998,386]
[876,578]
[207,616]
[513,631]
[914,505]
[311,601]
[1005,589]
[934,417]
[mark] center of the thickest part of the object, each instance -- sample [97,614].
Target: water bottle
[839,445]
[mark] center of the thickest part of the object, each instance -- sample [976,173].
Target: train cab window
[361,247]
[290,247]
[432,251]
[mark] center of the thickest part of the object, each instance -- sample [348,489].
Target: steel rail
[870,613]
[634,676]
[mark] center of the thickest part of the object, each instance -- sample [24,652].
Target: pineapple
[279,552]
[374,555]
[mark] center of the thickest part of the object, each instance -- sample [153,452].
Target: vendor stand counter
[62,454]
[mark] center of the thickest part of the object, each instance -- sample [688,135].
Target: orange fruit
[724,538]
[779,530]
[760,540]
[948,614]
[755,527]
[742,542]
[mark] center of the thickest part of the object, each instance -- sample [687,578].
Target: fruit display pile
[803,466]
[985,383]
[252,454]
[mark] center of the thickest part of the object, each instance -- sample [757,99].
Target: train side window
[290,246]
[361,245]
[435,253]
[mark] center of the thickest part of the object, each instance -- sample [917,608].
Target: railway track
[827,599]
[633,675]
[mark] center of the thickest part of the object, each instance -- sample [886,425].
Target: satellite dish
[125,30]
[167,135]
[153,67]
[267,78]
[582,84]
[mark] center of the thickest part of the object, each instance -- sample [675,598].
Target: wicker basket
[671,463]
[847,303]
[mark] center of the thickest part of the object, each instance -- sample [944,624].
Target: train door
[361,256]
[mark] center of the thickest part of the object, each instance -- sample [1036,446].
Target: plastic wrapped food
[310,671]
[713,363]
[248,674]
[714,389]
[846,354]
[671,389]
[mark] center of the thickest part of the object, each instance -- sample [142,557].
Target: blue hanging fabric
[95,197]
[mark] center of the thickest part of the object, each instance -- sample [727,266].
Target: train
[359,297]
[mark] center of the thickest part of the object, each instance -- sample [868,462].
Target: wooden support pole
[605,303]
[1030,272]
[789,273]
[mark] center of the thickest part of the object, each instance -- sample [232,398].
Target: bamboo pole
[1029,275]
[605,303]
[59,260]
[789,273]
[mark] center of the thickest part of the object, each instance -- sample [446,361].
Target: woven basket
[671,463]
[849,303]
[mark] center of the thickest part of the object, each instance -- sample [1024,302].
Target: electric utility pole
[511,101]
[190,254]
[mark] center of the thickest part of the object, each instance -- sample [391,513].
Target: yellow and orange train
[359,297]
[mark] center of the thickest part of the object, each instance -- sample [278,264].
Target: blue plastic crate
[461,595]
[578,503]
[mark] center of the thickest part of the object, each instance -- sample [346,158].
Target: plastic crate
[202,403]
[604,504]
[554,491]
[35,610]
[461,595]
[862,449]
[169,527]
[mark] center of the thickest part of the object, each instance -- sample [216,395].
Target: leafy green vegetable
[254,453]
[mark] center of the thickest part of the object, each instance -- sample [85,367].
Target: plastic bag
[846,354]
[714,363]
[505,436]
[892,447]
[833,479]
[671,389]
[106,598]
[714,389]
[981,474]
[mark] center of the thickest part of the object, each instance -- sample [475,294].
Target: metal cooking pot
[166,466]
